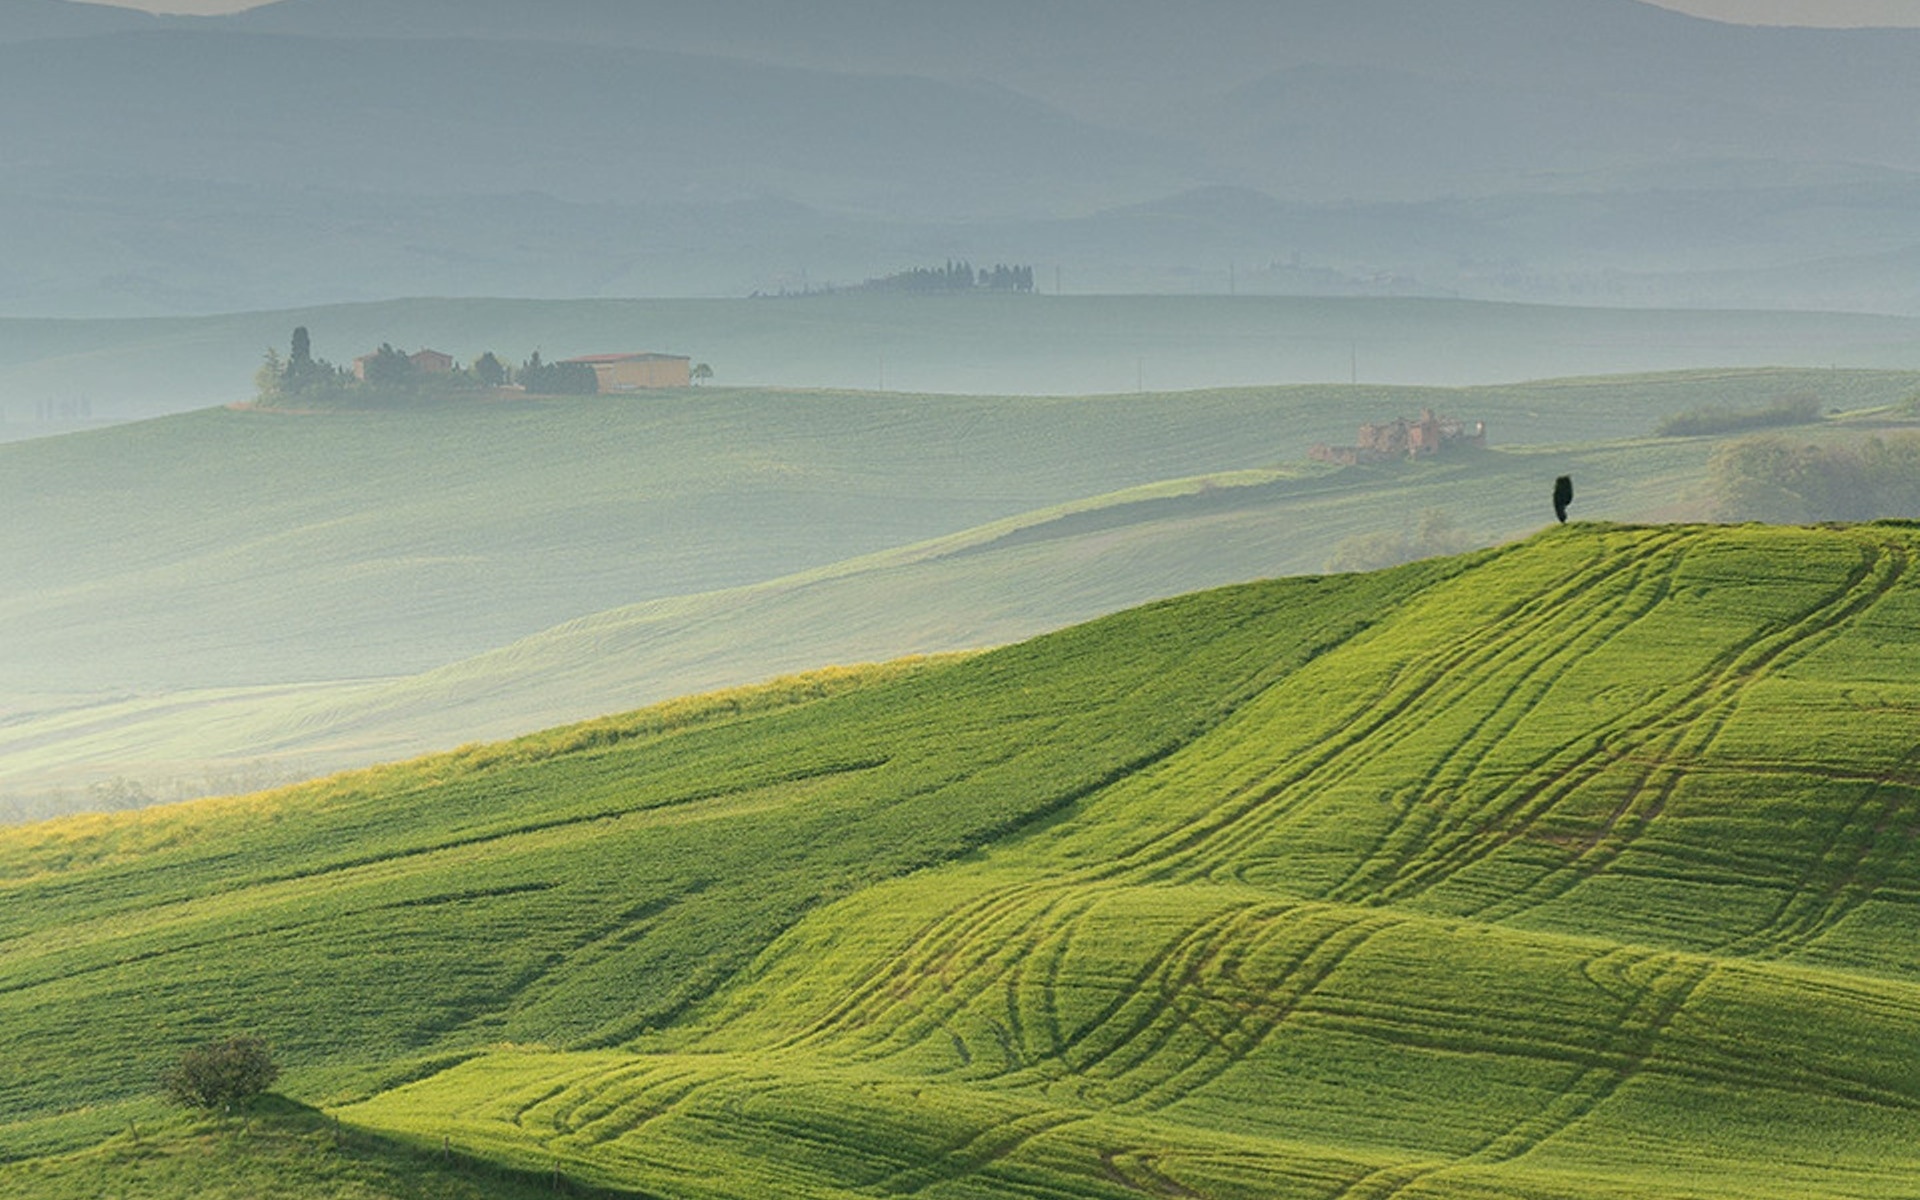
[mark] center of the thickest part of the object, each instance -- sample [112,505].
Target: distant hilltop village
[610,372]
[389,376]
[1401,438]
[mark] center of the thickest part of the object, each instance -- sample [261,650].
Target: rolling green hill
[226,599]
[986,586]
[1579,868]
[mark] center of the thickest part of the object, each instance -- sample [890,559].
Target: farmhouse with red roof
[638,372]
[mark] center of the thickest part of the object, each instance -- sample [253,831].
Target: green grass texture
[1583,867]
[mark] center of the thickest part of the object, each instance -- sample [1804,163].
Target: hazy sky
[1753,12]
[1803,12]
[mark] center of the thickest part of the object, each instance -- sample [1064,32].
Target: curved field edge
[1002,582]
[279,632]
[1580,868]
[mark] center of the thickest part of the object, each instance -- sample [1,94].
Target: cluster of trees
[64,410]
[221,1074]
[302,380]
[1435,534]
[298,376]
[556,379]
[389,368]
[1772,479]
[957,277]
[387,375]
[1789,410]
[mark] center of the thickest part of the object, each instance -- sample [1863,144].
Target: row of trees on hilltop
[389,375]
[1788,410]
[957,277]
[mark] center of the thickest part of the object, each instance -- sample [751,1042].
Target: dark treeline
[1773,479]
[556,379]
[957,277]
[389,375]
[1790,410]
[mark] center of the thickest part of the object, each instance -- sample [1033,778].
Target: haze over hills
[231,595]
[317,150]
[1580,866]
[30,20]
[986,344]
[1275,90]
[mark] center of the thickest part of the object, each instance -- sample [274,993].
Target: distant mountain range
[322,150]
[1314,98]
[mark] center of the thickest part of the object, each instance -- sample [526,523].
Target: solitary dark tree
[572,379]
[1562,496]
[300,369]
[220,1074]
[489,370]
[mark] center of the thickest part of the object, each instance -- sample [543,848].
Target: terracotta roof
[590,359]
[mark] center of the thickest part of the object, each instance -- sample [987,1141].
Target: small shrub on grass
[221,1074]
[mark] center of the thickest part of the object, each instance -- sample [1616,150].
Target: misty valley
[852,598]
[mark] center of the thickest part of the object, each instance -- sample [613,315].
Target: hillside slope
[1582,868]
[987,586]
[261,596]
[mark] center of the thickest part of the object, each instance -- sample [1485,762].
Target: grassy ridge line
[1195,897]
[339,517]
[603,895]
[55,846]
[991,585]
[412,541]
[1003,581]
[284,1150]
[355,546]
[1700,1020]
[1049,983]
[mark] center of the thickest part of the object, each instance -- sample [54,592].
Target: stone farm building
[638,372]
[1400,438]
[431,362]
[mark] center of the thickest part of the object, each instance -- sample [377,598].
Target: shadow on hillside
[413,1169]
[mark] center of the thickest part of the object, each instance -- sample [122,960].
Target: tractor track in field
[1194,848]
[1641,1024]
[1674,739]
[1853,864]
[988,1147]
[1256,1014]
[1374,876]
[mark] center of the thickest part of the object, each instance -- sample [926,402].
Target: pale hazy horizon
[1839,14]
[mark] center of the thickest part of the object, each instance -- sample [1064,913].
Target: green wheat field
[1584,867]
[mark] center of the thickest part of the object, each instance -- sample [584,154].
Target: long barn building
[638,372]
